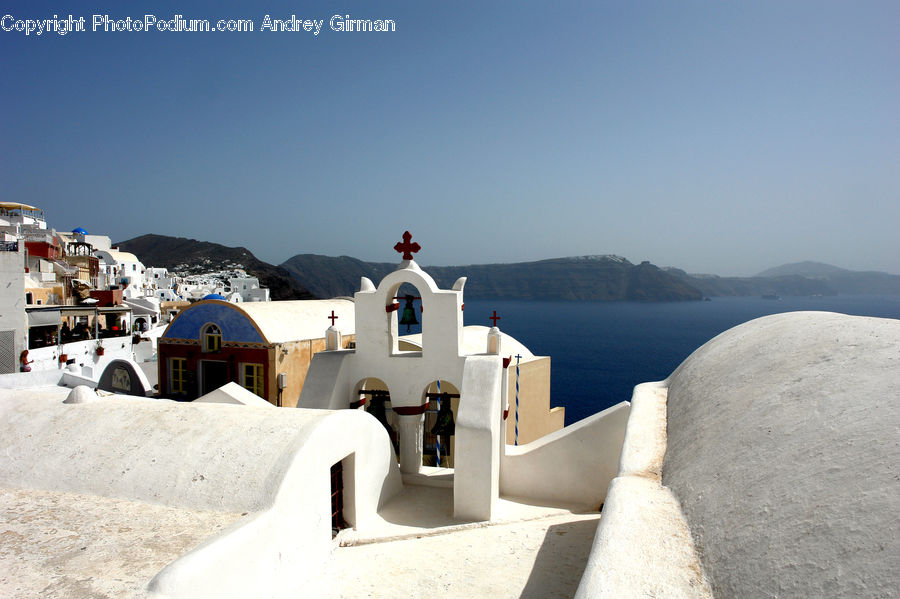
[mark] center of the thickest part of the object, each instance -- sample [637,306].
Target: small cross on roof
[407,248]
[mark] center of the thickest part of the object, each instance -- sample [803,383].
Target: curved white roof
[119,256]
[291,320]
[782,449]
[475,342]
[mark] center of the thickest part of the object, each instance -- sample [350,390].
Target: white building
[13,323]
[122,269]
[17,218]
[247,288]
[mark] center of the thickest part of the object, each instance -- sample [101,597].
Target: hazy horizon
[396,259]
[720,138]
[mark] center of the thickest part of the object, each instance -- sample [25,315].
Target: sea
[600,350]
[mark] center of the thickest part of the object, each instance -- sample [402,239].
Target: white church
[112,495]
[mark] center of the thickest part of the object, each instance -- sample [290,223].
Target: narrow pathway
[534,559]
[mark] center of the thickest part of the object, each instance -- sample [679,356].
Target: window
[252,379]
[177,375]
[212,338]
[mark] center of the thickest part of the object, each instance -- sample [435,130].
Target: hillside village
[63,282]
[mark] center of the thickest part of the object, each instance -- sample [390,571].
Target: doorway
[337,499]
[213,374]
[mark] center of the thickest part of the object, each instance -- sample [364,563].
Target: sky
[718,137]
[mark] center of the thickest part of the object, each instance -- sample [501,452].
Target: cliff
[588,278]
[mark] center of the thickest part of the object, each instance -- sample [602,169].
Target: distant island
[581,278]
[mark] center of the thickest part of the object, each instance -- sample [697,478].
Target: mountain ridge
[806,268]
[601,278]
[593,277]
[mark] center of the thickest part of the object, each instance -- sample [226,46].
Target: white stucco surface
[81,394]
[233,394]
[476,481]
[643,547]
[474,341]
[63,545]
[534,559]
[573,465]
[269,466]
[783,449]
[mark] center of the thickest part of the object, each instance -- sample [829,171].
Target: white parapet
[264,471]
[643,530]
[572,466]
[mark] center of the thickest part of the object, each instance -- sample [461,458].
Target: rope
[437,438]
[517,398]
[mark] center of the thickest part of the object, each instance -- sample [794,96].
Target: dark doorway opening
[213,374]
[337,499]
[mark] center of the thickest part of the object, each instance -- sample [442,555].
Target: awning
[44,318]
[113,309]
[138,309]
[16,206]
[80,311]
[64,268]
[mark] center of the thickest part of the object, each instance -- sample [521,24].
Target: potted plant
[98,347]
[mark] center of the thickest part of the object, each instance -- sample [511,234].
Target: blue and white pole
[518,357]
[437,438]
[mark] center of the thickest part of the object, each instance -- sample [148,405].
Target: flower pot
[101,351]
[63,358]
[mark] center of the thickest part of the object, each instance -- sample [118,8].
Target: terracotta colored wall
[41,249]
[109,297]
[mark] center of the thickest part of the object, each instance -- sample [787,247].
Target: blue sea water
[601,350]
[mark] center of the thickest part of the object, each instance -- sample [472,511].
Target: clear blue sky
[722,137]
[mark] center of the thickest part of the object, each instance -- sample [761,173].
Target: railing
[83,352]
[9,246]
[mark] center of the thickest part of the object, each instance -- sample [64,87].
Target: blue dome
[213,296]
[80,230]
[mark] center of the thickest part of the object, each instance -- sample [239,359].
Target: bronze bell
[444,424]
[409,313]
[377,409]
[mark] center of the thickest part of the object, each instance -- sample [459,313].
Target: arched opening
[406,315]
[439,441]
[373,396]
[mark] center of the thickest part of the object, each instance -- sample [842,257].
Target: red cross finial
[494,318]
[407,248]
[333,317]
